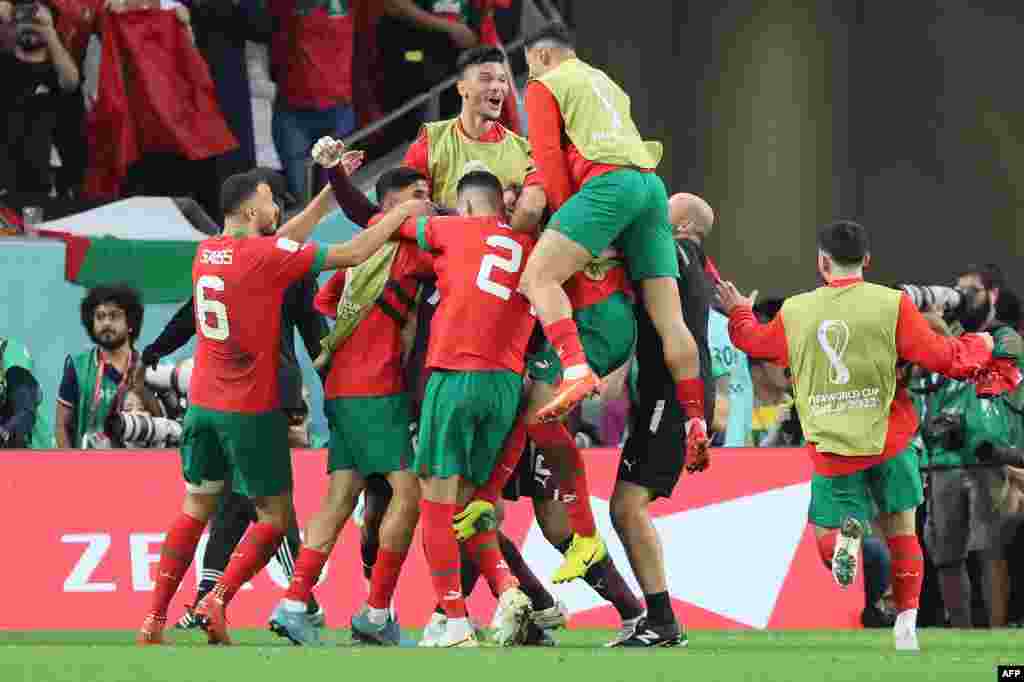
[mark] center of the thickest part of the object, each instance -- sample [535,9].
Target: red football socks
[251,555]
[907,571]
[442,552]
[385,577]
[565,339]
[690,393]
[551,437]
[308,566]
[175,557]
[484,550]
[827,547]
[507,463]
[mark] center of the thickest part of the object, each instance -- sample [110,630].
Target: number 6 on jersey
[206,306]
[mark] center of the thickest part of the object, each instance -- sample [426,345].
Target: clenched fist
[328,152]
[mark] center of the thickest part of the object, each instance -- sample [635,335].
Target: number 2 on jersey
[206,306]
[491,261]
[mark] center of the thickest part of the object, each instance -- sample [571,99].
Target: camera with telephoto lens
[142,430]
[26,28]
[170,383]
[945,431]
[954,302]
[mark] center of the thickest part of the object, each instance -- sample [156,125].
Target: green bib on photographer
[842,352]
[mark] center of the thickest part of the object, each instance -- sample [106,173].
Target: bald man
[692,218]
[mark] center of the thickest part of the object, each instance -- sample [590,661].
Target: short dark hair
[124,296]
[397,179]
[558,34]
[482,180]
[991,275]
[845,241]
[238,189]
[483,54]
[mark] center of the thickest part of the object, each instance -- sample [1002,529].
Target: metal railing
[431,96]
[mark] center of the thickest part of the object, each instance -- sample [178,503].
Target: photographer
[968,498]
[37,69]
[138,422]
[21,423]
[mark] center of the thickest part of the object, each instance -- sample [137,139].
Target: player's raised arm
[366,243]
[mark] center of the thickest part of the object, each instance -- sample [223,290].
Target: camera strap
[97,393]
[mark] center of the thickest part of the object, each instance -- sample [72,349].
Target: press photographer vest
[452,154]
[97,393]
[842,352]
[597,116]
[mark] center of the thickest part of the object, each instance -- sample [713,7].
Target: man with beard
[234,425]
[237,511]
[843,342]
[94,380]
[965,507]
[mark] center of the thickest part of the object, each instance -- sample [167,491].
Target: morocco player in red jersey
[368,410]
[476,355]
[234,424]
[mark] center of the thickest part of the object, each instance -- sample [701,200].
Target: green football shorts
[252,448]
[464,421]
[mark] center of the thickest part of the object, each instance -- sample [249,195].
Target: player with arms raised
[234,421]
[842,342]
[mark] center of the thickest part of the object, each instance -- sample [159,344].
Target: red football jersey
[482,321]
[369,362]
[238,286]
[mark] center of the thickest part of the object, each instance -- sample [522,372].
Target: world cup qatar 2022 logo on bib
[834,337]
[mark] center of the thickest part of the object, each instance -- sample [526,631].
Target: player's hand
[328,152]
[352,161]
[935,320]
[461,35]
[321,361]
[730,297]
[417,207]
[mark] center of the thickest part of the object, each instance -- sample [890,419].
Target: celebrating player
[233,420]
[842,342]
[583,137]
[368,413]
[476,353]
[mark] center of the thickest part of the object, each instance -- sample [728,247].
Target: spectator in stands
[96,379]
[36,69]
[420,42]
[311,63]
[21,424]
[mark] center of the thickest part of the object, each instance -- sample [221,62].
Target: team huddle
[532,269]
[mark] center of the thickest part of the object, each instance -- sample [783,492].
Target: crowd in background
[105,99]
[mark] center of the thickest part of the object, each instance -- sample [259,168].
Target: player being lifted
[599,178]
[842,342]
[443,152]
[233,420]
[368,413]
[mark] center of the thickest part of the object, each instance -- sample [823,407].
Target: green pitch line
[111,656]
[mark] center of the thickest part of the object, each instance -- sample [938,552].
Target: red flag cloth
[155,95]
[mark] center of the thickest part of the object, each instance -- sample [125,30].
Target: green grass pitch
[111,656]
